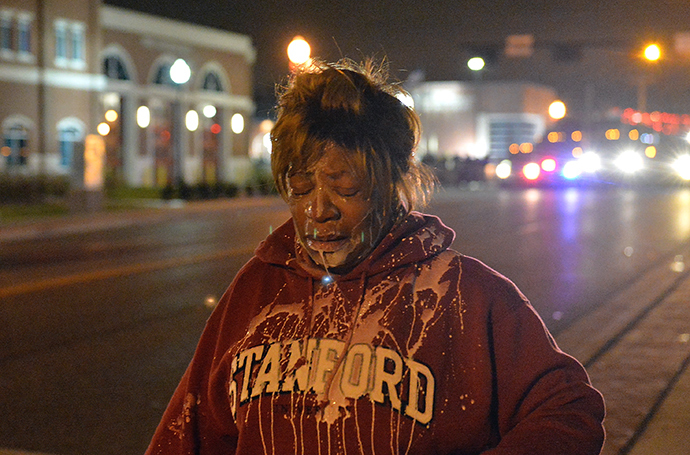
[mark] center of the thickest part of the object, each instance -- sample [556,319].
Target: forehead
[333,161]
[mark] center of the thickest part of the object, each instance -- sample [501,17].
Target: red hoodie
[418,350]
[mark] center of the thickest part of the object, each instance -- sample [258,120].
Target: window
[113,68]
[15,145]
[504,133]
[24,34]
[6,47]
[67,138]
[70,133]
[70,44]
[212,83]
[78,53]
[163,75]
[60,43]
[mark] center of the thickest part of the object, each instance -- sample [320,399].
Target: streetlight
[299,53]
[180,73]
[652,54]
[476,63]
[557,110]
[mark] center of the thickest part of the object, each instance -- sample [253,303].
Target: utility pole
[41,87]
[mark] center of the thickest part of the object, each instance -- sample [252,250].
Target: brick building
[71,68]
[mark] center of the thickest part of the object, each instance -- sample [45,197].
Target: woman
[355,328]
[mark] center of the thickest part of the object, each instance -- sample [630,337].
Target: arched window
[15,147]
[212,83]
[114,68]
[162,76]
[70,132]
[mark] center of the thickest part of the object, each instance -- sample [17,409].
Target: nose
[322,207]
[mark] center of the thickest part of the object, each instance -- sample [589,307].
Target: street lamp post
[180,73]
[651,53]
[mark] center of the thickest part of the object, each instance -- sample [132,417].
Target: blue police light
[571,170]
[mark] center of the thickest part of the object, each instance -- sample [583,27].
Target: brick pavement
[637,348]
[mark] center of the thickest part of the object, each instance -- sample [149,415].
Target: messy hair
[354,107]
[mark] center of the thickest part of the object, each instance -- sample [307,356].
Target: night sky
[582,46]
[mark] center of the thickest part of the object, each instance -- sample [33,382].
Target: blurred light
[687,137]
[143,116]
[111,100]
[406,99]
[267,142]
[299,51]
[103,129]
[237,123]
[634,135]
[571,170]
[628,251]
[215,128]
[514,148]
[612,134]
[210,301]
[5,151]
[475,63]
[652,52]
[576,136]
[504,169]
[682,166]
[647,138]
[548,165]
[590,162]
[636,118]
[180,72]
[577,152]
[557,110]
[209,111]
[111,115]
[191,120]
[629,162]
[531,171]
[650,152]
[526,147]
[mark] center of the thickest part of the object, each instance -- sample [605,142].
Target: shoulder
[483,282]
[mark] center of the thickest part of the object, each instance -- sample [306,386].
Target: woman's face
[332,212]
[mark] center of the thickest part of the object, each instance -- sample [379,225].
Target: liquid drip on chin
[328,278]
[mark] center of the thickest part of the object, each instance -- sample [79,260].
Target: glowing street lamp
[299,52]
[476,63]
[652,52]
[180,72]
[557,110]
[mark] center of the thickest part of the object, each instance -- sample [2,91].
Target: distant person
[355,329]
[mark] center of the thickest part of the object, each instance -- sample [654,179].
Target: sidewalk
[636,348]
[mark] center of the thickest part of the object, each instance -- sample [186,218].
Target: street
[99,325]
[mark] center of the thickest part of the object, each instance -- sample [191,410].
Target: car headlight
[682,166]
[629,162]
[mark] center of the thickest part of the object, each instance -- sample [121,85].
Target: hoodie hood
[416,238]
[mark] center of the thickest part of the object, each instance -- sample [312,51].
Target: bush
[199,191]
[20,189]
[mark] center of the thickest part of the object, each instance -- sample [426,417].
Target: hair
[352,106]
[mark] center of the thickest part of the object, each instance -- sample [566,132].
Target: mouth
[327,244]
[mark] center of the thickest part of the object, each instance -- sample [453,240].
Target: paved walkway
[636,348]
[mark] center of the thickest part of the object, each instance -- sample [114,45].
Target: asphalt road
[98,326]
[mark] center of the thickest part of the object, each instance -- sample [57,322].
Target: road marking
[132,269]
